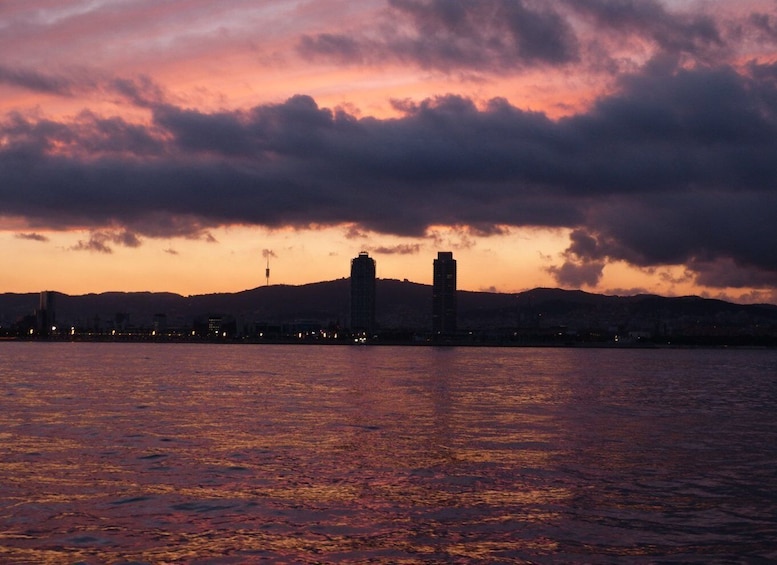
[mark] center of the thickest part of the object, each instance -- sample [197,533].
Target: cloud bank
[673,165]
[515,35]
[677,167]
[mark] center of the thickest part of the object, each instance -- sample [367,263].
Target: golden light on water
[241,453]
[163,465]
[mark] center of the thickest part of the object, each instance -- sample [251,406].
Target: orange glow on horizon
[513,262]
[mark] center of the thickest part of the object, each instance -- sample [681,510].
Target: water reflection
[203,454]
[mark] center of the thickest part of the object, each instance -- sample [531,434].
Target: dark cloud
[728,272]
[32,237]
[340,48]
[538,35]
[94,244]
[583,264]
[673,279]
[127,239]
[498,36]
[353,231]
[673,32]
[765,24]
[140,91]
[36,81]
[676,167]
[99,241]
[88,134]
[577,274]
[582,244]
[401,249]
[457,34]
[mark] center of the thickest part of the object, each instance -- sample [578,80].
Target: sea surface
[194,453]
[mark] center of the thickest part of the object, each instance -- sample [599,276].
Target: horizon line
[262,287]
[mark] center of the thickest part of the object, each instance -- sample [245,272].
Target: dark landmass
[319,312]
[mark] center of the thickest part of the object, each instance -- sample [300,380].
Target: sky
[613,146]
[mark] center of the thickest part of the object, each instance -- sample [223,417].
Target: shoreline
[680,343]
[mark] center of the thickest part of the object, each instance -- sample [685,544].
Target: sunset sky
[617,146]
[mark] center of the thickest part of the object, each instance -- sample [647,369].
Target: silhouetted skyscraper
[363,294]
[444,294]
[46,317]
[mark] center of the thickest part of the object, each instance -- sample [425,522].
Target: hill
[406,306]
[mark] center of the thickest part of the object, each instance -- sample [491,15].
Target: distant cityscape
[365,310]
[362,315]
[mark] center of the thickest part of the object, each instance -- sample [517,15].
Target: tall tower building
[444,294]
[45,314]
[363,294]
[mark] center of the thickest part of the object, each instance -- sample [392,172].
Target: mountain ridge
[406,305]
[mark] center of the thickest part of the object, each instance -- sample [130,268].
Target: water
[173,453]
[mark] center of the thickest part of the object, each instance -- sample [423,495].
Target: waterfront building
[160,324]
[214,325]
[363,294]
[444,294]
[46,318]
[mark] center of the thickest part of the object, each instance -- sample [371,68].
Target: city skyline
[319,312]
[614,147]
[538,316]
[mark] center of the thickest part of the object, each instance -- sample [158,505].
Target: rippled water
[152,453]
